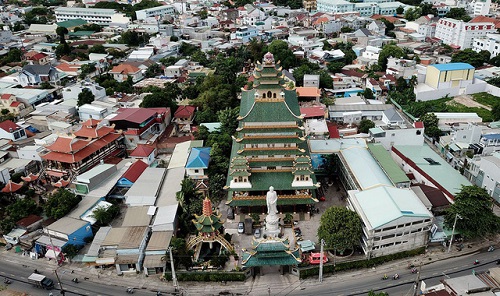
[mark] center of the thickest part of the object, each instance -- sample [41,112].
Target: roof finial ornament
[268,58]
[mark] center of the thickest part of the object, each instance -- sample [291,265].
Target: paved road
[361,282]
[19,276]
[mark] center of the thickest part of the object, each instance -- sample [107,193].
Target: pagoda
[209,227]
[270,148]
[271,251]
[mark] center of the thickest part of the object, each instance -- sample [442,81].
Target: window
[419,132]
[240,179]
[196,171]
[271,168]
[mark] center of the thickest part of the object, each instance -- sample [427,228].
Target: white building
[392,135]
[89,111]
[31,152]
[460,34]
[72,92]
[490,42]
[159,11]
[100,16]
[480,7]
[334,6]
[483,173]
[404,225]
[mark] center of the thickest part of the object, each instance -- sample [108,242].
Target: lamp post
[457,216]
[321,262]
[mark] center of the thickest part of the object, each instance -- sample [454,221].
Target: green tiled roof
[262,202]
[272,251]
[271,111]
[279,180]
[263,245]
[390,167]
[275,140]
[207,224]
[80,33]
[72,23]
[284,163]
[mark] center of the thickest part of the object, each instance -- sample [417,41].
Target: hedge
[207,276]
[306,272]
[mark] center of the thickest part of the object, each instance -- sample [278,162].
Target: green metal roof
[80,33]
[72,23]
[390,167]
[439,171]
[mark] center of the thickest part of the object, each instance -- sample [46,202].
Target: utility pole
[321,261]
[174,278]
[57,261]
[457,216]
[417,282]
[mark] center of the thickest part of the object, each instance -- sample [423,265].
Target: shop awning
[105,261]
[51,254]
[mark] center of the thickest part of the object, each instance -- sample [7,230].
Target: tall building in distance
[270,148]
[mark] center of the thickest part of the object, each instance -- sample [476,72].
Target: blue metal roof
[452,66]
[198,158]
[492,136]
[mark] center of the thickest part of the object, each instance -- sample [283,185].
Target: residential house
[404,226]
[244,34]
[397,134]
[489,42]
[123,71]
[91,179]
[424,25]
[144,153]
[132,174]
[36,74]
[308,94]
[37,58]
[72,92]
[146,189]
[311,80]
[93,142]
[197,163]
[11,131]
[377,27]
[483,171]
[92,111]
[10,103]
[183,118]
[141,125]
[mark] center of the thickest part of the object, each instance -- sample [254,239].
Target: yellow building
[9,102]
[452,75]
[309,5]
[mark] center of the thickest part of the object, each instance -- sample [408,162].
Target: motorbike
[7,281]
[384,277]
[498,262]
[476,262]
[36,271]
[75,280]
[491,249]
[395,277]
[414,270]
[130,290]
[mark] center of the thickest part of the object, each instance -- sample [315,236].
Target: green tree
[368,94]
[14,55]
[46,85]
[283,53]
[389,50]
[495,111]
[371,293]
[340,228]
[203,14]
[228,120]
[63,49]
[134,38]
[181,253]
[103,215]
[400,10]
[365,125]
[70,250]
[87,69]
[170,61]
[458,14]
[85,97]
[346,29]
[98,48]
[200,57]
[412,14]
[431,128]
[474,206]
[305,68]
[471,57]
[61,32]
[349,54]
[428,8]
[153,71]
[189,198]
[335,67]
[187,49]
[166,97]
[255,49]
[60,203]
[202,133]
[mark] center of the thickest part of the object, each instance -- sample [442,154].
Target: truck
[249,226]
[41,281]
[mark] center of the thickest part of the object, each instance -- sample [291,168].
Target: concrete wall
[436,94]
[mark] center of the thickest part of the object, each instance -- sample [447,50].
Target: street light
[457,216]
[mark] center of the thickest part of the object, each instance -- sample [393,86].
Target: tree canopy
[458,14]
[431,128]
[365,125]
[476,59]
[60,203]
[163,97]
[85,97]
[16,211]
[389,50]
[474,205]
[283,53]
[103,215]
[340,228]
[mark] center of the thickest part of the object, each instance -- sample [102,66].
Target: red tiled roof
[68,67]
[135,170]
[11,187]
[67,145]
[38,56]
[15,104]
[333,130]
[61,183]
[354,73]
[418,124]
[82,153]
[93,132]
[30,177]
[142,151]
[434,195]
[25,222]
[485,19]
[184,111]
[7,125]
[308,91]
[136,115]
[125,69]
[5,96]
[312,111]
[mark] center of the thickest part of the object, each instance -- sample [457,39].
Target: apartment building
[159,11]
[100,16]
[490,42]
[460,34]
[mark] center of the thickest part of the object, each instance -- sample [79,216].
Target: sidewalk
[257,286]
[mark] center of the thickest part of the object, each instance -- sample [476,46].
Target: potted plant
[287,220]
[256,219]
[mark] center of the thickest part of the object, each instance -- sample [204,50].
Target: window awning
[51,254]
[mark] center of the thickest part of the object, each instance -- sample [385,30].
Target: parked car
[241,227]
[257,233]
[230,213]
[315,257]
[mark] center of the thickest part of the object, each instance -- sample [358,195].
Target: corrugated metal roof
[171,186]
[159,241]
[452,66]
[97,241]
[384,204]
[199,158]
[146,189]
[136,216]
[364,168]
[391,168]
[67,225]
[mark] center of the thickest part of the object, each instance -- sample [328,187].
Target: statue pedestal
[272,228]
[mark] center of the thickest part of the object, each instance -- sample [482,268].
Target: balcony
[284,170]
[263,197]
[270,159]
